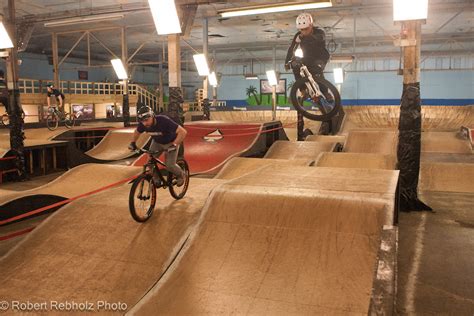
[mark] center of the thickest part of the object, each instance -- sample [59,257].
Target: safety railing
[145,97]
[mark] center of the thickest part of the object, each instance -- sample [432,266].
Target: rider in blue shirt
[166,137]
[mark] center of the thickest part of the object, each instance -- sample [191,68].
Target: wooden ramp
[298,150]
[92,249]
[114,145]
[292,240]
[445,142]
[238,166]
[372,141]
[355,160]
[447,177]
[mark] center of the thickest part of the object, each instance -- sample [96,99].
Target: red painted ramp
[210,144]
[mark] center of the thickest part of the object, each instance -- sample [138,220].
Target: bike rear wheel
[52,122]
[142,198]
[175,191]
[69,120]
[328,108]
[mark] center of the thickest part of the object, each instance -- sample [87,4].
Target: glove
[132,146]
[287,66]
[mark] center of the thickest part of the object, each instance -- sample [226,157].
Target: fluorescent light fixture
[281,7]
[272,77]
[341,59]
[213,79]
[251,77]
[85,19]
[5,40]
[201,64]
[299,52]
[338,75]
[165,16]
[404,10]
[119,69]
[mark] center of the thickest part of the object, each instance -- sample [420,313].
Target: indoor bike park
[185,157]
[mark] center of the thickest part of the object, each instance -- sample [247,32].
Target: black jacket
[313,46]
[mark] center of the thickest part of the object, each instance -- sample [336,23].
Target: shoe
[180,181]
[329,97]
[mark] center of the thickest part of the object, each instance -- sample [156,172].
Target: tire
[298,103]
[5,120]
[69,120]
[52,122]
[142,183]
[175,191]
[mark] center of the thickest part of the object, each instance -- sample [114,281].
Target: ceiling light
[338,75]
[251,77]
[281,7]
[213,79]
[272,77]
[5,40]
[201,64]
[165,16]
[341,59]
[119,69]
[404,10]
[85,19]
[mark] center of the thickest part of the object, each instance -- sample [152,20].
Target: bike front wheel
[175,191]
[142,198]
[328,105]
[52,122]
[69,120]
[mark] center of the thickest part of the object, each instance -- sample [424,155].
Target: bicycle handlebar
[144,151]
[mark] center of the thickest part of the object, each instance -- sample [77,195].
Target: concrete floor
[436,254]
[436,257]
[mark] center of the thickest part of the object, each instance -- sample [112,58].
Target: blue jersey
[163,131]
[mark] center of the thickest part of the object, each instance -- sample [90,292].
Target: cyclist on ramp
[166,137]
[309,48]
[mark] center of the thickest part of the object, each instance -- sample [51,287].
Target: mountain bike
[55,116]
[306,92]
[142,196]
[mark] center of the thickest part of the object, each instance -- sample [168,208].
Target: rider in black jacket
[312,41]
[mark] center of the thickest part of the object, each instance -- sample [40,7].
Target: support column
[160,80]
[409,143]
[274,95]
[14,108]
[205,49]
[55,60]
[175,107]
[125,98]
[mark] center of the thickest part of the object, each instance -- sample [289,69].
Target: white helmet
[304,20]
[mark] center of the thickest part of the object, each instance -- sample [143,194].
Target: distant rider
[166,137]
[58,95]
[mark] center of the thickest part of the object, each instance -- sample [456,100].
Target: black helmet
[144,113]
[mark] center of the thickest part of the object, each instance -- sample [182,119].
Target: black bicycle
[55,116]
[142,197]
[306,94]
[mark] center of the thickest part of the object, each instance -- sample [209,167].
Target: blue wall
[365,88]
